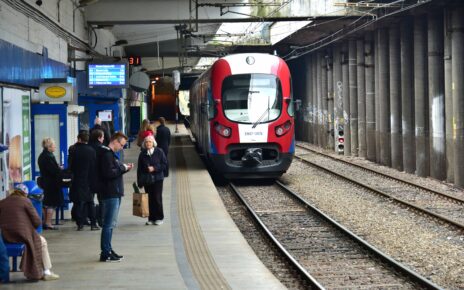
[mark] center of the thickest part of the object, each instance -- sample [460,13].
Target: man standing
[163,136]
[111,171]
[83,169]
[98,125]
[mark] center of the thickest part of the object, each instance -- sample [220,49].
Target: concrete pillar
[395,97]
[338,98]
[361,70]
[319,99]
[330,100]
[448,99]
[324,100]
[377,101]
[407,95]
[384,98]
[370,96]
[421,103]
[346,99]
[308,100]
[353,83]
[457,72]
[314,97]
[436,96]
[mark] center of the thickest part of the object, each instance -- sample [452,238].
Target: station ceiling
[177,34]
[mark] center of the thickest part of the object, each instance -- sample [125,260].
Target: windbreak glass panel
[252,98]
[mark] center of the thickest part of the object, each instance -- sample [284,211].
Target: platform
[198,246]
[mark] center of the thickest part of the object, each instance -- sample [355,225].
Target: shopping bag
[140,204]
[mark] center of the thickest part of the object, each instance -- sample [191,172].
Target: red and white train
[242,116]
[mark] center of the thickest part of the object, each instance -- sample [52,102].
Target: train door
[49,120]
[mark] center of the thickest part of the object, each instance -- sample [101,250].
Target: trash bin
[36,197]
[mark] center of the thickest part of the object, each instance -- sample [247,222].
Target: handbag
[145,178]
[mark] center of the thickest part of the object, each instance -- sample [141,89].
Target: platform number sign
[134,60]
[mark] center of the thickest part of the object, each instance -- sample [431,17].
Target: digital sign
[134,60]
[107,75]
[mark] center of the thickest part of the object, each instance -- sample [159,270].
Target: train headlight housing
[283,129]
[223,130]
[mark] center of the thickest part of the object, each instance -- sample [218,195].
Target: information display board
[108,75]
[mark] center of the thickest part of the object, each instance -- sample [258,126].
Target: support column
[307,105]
[353,83]
[338,99]
[346,99]
[448,99]
[436,96]
[377,100]
[330,99]
[421,103]
[395,98]
[384,98]
[324,101]
[370,96]
[319,100]
[407,95]
[361,98]
[314,97]
[457,71]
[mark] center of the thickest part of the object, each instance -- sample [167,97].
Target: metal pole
[420,93]
[395,98]
[384,98]
[370,96]
[448,99]
[457,71]
[436,96]
[407,95]
[307,102]
[346,99]
[353,84]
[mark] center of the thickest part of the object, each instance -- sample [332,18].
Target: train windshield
[252,98]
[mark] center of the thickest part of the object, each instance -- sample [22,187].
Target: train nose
[253,156]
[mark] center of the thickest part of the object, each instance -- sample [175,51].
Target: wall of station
[393,94]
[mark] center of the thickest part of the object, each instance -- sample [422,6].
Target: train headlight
[283,129]
[223,130]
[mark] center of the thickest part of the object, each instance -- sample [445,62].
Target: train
[242,116]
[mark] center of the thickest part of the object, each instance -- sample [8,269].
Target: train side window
[212,109]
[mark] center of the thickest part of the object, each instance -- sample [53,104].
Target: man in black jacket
[98,125]
[163,136]
[111,171]
[83,172]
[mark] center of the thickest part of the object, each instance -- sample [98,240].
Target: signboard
[106,116]
[56,92]
[107,75]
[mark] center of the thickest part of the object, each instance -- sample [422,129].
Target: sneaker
[51,276]
[109,258]
[116,255]
[80,227]
[149,223]
[159,222]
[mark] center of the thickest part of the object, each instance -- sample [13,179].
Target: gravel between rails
[432,249]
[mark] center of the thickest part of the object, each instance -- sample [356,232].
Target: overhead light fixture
[38,2]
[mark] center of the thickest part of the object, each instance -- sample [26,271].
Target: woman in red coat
[18,221]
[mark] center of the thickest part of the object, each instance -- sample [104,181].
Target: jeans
[4,262]
[110,211]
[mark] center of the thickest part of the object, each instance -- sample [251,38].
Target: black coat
[106,141]
[52,176]
[83,169]
[163,138]
[157,160]
[97,183]
[111,171]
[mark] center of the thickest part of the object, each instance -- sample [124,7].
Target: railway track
[328,255]
[442,206]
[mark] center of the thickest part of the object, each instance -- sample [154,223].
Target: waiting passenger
[153,161]
[18,221]
[52,179]
[145,130]
[98,125]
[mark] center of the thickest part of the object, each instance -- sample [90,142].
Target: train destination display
[112,75]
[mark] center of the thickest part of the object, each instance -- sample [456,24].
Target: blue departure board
[113,75]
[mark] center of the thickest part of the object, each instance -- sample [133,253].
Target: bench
[130,140]
[14,250]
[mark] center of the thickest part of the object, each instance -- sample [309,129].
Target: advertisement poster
[13,132]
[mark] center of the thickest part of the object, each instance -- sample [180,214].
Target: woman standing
[51,175]
[18,221]
[153,161]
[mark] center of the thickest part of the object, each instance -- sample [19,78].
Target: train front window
[252,98]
